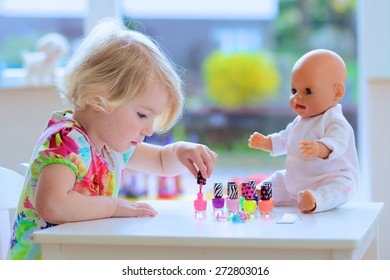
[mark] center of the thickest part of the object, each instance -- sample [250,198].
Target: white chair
[11,184]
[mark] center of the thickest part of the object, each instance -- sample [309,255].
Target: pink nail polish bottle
[218,200]
[232,201]
[200,205]
[266,202]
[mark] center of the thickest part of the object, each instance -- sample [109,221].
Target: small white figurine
[40,65]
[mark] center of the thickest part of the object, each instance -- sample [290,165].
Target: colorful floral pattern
[64,141]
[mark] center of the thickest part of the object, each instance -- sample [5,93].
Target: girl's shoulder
[61,125]
[63,141]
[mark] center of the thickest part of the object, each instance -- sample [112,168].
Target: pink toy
[239,217]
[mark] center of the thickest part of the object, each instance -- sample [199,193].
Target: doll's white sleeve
[337,138]
[280,141]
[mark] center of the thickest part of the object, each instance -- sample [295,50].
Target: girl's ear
[339,90]
[95,107]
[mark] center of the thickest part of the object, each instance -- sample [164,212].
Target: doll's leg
[306,202]
[331,194]
[279,192]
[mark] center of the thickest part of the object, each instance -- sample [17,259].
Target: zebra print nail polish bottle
[218,200]
[232,201]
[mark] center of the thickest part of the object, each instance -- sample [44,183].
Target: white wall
[374,109]
[24,113]
[98,9]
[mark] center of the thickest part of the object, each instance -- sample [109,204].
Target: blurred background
[235,58]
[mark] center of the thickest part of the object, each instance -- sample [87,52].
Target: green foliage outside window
[235,80]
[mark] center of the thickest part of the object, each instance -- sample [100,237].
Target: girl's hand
[196,157]
[127,208]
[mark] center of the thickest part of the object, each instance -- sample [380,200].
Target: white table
[347,232]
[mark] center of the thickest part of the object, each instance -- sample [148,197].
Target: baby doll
[321,170]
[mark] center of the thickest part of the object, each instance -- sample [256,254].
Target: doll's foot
[307,203]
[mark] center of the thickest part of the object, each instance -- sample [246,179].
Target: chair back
[11,184]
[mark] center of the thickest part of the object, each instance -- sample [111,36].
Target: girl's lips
[134,143]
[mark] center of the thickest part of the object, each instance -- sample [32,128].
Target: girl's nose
[148,130]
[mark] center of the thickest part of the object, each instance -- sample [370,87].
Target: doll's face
[317,84]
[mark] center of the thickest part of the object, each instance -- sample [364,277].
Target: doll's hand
[127,208]
[314,149]
[307,202]
[196,157]
[259,141]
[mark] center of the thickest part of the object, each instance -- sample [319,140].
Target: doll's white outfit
[331,181]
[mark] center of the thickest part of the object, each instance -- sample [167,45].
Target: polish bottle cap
[232,190]
[200,179]
[252,183]
[218,190]
[266,191]
[248,191]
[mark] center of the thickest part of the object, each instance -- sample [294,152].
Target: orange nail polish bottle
[266,202]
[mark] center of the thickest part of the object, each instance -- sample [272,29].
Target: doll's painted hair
[113,64]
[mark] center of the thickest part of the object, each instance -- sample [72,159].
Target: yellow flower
[239,79]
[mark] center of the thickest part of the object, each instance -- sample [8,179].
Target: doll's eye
[308,91]
[293,91]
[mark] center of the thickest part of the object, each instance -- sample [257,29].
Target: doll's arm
[259,141]
[314,149]
[307,202]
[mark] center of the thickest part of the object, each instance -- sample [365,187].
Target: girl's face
[128,124]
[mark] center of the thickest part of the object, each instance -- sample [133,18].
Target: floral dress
[64,141]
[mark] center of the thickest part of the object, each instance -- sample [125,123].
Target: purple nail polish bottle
[218,200]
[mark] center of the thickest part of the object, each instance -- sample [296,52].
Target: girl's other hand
[127,208]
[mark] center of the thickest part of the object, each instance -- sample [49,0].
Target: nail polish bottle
[218,200]
[200,205]
[249,203]
[242,197]
[266,202]
[253,184]
[232,201]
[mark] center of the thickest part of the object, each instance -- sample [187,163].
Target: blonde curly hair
[113,64]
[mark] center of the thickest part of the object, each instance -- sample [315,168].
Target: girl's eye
[293,91]
[141,116]
[308,91]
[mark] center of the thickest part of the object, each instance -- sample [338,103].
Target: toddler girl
[123,88]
